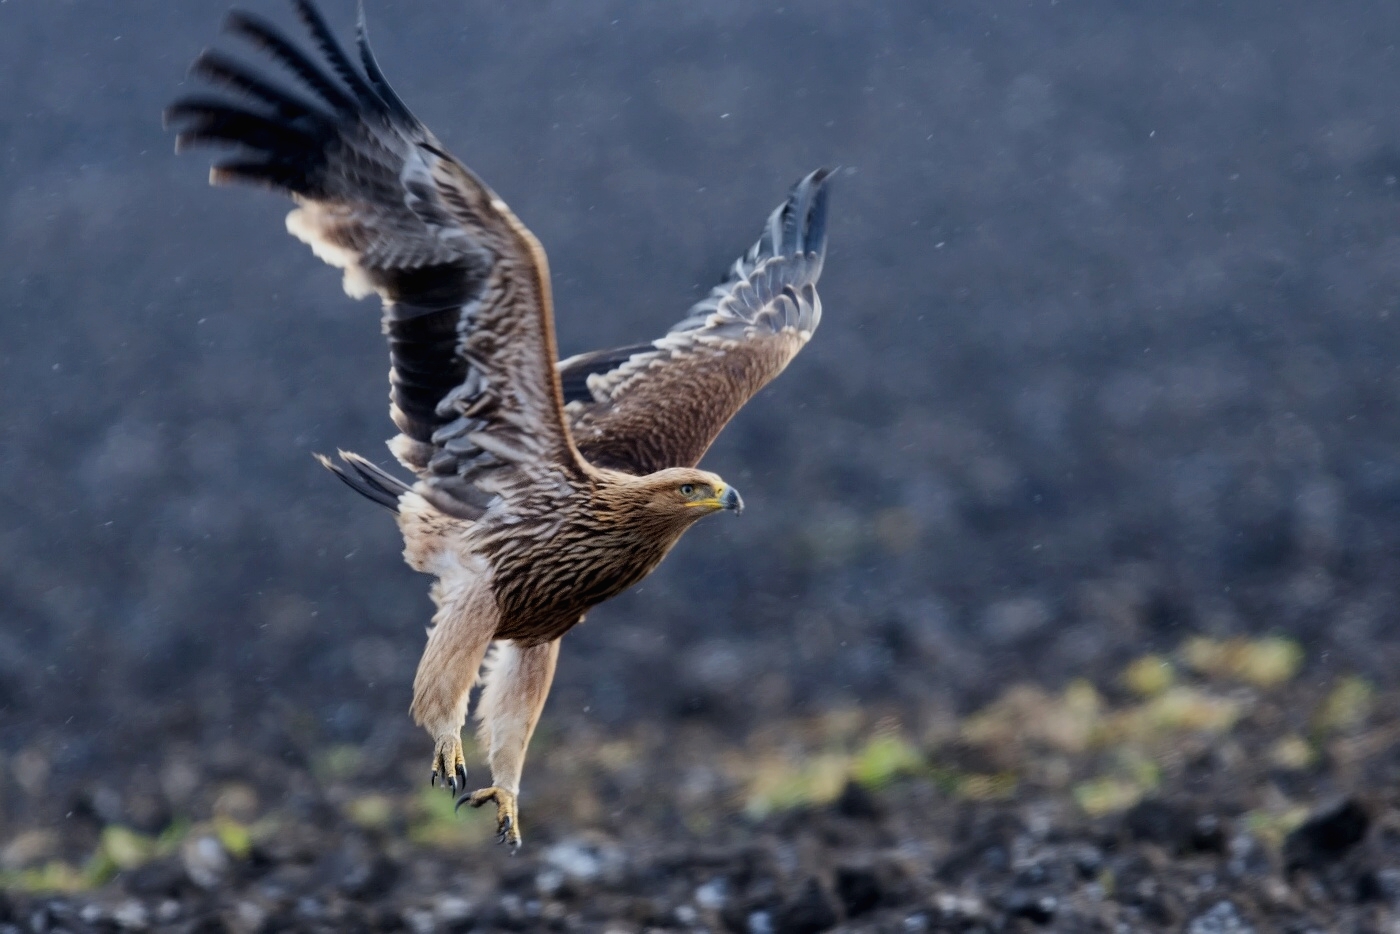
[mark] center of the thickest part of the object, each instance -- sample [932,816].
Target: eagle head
[684,494]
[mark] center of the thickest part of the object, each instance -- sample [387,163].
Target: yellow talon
[449,766]
[507,813]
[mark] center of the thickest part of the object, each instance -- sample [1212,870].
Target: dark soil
[655,829]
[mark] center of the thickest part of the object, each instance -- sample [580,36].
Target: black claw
[460,801]
[432,779]
[462,776]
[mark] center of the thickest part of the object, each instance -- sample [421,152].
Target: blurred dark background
[1108,356]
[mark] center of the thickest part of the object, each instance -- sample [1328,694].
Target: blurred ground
[1210,790]
[1107,365]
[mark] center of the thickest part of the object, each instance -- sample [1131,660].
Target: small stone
[1224,918]
[310,909]
[713,895]
[1088,860]
[586,860]
[1208,836]
[206,862]
[1247,857]
[1038,909]
[1033,874]
[237,801]
[959,907]
[1326,836]
[1389,882]
[453,910]
[369,878]
[106,804]
[549,882]
[131,916]
[760,922]
[250,915]
[418,921]
[1015,619]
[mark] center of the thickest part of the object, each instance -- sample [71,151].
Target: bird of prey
[542,488]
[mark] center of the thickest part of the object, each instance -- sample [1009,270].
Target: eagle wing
[467,308]
[646,407]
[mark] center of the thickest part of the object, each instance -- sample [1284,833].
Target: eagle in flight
[542,488]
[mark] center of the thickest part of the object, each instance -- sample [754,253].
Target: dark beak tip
[733,501]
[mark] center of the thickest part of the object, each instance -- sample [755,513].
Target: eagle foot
[449,766]
[507,813]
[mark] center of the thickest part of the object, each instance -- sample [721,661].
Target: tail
[366,479]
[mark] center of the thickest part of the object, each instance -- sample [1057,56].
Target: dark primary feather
[210,120]
[288,131]
[367,479]
[303,148]
[796,231]
[330,48]
[218,68]
[466,310]
[264,35]
[376,77]
[574,372]
[646,407]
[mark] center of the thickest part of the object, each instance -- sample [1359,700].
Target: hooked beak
[731,500]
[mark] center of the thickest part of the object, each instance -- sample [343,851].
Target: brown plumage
[541,489]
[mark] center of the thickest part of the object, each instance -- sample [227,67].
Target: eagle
[541,488]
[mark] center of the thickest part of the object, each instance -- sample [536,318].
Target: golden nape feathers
[541,488]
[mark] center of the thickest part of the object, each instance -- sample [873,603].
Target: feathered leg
[517,683]
[463,625]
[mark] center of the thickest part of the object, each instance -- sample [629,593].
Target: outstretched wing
[467,309]
[650,406]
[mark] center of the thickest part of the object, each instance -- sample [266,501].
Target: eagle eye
[687,489]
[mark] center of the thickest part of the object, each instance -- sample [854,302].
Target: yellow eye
[687,489]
